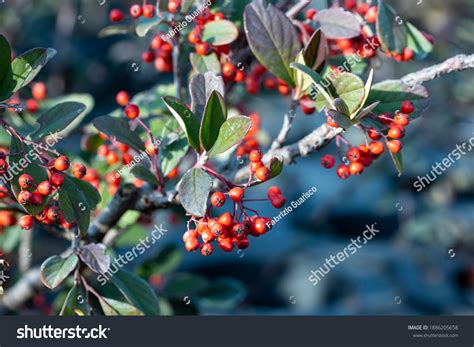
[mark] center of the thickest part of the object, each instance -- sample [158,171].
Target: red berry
[207,235]
[343,171]
[156,42]
[407,54]
[25,181]
[194,37]
[148,11]
[24,197]
[401,119]
[254,166]
[44,188]
[376,147]
[243,243]
[353,154]
[112,158]
[311,13]
[79,170]
[394,146]
[206,249]
[273,190]
[3,166]
[371,14]
[173,6]
[62,163]
[226,245]
[36,198]
[219,16]
[150,148]
[260,225]
[217,229]
[38,90]
[116,15]
[191,244]
[229,70]
[148,56]
[132,111]
[122,98]
[26,222]
[202,48]
[262,174]
[407,107]
[53,214]
[307,105]
[277,201]
[396,132]
[32,106]
[56,179]
[238,230]
[374,134]
[356,168]
[236,194]
[226,219]
[103,151]
[328,161]
[136,11]
[218,199]
[3,192]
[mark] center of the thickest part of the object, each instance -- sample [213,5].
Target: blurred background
[422,260]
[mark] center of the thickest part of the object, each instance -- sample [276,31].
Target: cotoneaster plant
[200,147]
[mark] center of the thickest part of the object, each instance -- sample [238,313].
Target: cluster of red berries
[38,93]
[228,230]
[136,11]
[250,142]
[260,76]
[160,54]
[33,194]
[363,155]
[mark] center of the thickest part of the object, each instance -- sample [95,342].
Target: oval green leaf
[231,133]
[56,269]
[193,190]
[220,32]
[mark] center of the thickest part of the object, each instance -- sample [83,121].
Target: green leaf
[117,29]
[137,292]
[367,88]
[350,64]
[150,101]
[193,190]
[27,161]
[215,114]
[348,87]
[166,261]
[5,59]
[56,269]
[232,131]
[317,81]
[220,32]
[313,56]
[185,284]
[392,93]
[337,23]
[10,238]
[417,42]
[393,36]
[57,118]
[120,129]
[144,174]
[171,155]
[77,199]
[146,24]
[205,63]
[25,67]
[113,307]
[200,89]
[75,301]
[186,119]
[86,99]
[222,294]
[340,118]
[272,38]
[397,159]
